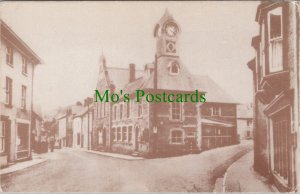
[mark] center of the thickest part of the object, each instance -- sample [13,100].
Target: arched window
[177,136]
[174,68]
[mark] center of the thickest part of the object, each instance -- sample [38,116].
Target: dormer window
[174,68]
[275,40]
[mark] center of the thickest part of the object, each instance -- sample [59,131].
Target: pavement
[69,170]
[241,177]
[21,165]
[114,155]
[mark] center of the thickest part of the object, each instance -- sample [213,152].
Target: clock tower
[166,33]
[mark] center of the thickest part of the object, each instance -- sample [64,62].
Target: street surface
[69,170]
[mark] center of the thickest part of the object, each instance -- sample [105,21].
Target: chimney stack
[131,72]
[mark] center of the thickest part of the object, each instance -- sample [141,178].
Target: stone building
[161,129]
[17,66]
[245,121]
[276,93]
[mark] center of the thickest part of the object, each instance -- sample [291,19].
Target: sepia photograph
[150,96]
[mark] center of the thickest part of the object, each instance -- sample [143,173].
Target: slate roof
[184,82]
[166,81]
[7,32]
[120,76]
[214,93]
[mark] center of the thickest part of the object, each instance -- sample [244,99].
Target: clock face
[171,29]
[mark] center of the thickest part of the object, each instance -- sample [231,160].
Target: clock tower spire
[166,33]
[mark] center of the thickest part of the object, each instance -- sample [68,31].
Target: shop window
[22,137]
[176,137]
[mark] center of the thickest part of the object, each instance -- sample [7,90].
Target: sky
[215,40]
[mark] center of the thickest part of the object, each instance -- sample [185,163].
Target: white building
[17,65]
[62,129]
[245,121]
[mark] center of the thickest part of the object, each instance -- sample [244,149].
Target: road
[70,170]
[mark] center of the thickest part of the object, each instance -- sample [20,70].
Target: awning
[216,123]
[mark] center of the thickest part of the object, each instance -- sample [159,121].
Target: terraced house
[276,93]
[17,66]
[162,129]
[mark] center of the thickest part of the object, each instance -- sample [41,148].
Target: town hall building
[162,129]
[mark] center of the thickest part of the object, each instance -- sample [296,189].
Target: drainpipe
[294,16]
[88,112]
[31,109]
[155,124]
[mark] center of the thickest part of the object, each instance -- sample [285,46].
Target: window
[215,110]
[174,68]
[249,122]
[115,112]
[128,110]
[2,135]
[23,98]
[119,134]
[262,53]
[99,110]
[129,133]
[24,65]
[113,133]
[275,40]
[176,137]
[9,56]
[78,138]
[100,136]
[103,109]
[106,107]
[176,111]
[124,134]
[8,91]
[121,111]
[140,109]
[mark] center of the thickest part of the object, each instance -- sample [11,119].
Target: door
[282,147]
[7,136]
[104,137]
[137,131]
